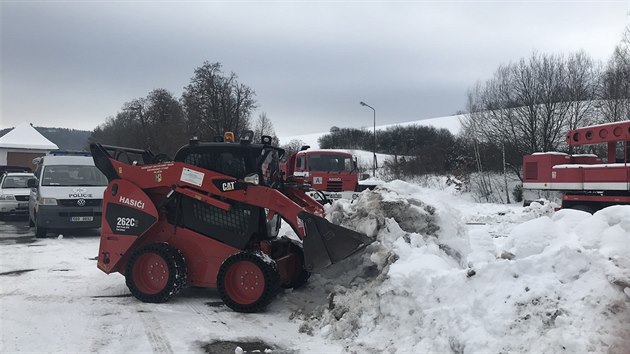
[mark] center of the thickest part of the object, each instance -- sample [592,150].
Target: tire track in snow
[215,317]
[155,333]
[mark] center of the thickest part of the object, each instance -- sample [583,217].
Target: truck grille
[21,198]
[74,202]
[334,186]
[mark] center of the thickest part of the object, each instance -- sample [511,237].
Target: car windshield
[15,182]
[330,163]
[73,175]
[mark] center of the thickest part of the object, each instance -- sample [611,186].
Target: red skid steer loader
[210,218]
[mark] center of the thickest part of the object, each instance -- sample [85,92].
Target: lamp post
[374,145]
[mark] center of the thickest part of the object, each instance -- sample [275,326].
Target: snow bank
[428,283]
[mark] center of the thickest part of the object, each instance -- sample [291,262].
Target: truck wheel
[301,275]
[247,283]
[155,273]
[40,232]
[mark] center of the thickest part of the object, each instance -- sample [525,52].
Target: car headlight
[48,201]
[7,197]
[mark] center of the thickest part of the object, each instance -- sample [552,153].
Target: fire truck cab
[333,174]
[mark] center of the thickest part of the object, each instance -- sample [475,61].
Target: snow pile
[428,284]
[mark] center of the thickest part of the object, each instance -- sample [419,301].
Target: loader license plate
[81,218]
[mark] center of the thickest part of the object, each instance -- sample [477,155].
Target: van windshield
[72,175]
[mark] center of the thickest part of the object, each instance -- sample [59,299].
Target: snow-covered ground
[445,274]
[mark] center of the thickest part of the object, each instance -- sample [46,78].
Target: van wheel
[40,232]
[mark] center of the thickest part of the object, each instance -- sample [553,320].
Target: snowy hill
[451,123]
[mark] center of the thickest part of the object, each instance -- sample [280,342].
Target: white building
[22,144]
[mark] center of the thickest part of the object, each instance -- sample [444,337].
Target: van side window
[300,163]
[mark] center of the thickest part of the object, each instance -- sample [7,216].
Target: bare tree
[614,86]
[528,105]
[155,122]
[215,103]
[264,126]
[292,146]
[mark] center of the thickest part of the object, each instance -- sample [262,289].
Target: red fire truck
[588,182]
[332,174]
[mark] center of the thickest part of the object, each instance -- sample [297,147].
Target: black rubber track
[270,273]
[176,267]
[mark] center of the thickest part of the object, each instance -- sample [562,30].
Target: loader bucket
[326,243]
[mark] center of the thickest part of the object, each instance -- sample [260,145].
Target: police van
[66,193]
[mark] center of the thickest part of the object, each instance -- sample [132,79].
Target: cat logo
[227,186]
[158,177]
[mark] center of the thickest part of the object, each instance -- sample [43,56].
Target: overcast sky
[73,64]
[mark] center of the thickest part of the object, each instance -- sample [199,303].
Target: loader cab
[252,163]
[235,160]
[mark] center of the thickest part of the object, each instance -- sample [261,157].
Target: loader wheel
[155,273]
[302,275]
[247,283]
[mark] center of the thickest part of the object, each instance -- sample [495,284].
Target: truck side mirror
[32,183]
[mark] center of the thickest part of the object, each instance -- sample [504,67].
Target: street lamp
[374,145]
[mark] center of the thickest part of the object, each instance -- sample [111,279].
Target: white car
[14,193]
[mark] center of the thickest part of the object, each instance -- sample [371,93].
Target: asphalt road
[15,229]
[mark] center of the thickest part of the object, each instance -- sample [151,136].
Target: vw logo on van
[81,202]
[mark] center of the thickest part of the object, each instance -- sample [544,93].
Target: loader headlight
[7,197]
[252,179]
[48,201]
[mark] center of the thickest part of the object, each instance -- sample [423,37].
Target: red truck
[588,182]
[332,174]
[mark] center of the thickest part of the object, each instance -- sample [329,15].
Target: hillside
[66,139]
[451,123]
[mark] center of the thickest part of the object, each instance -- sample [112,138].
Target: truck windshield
[72,175]
[15,182]
[330,163]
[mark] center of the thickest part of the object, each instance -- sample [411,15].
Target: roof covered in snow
[24,136]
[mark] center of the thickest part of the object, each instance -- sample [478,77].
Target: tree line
[529,105]
[211,104]
[525,107]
